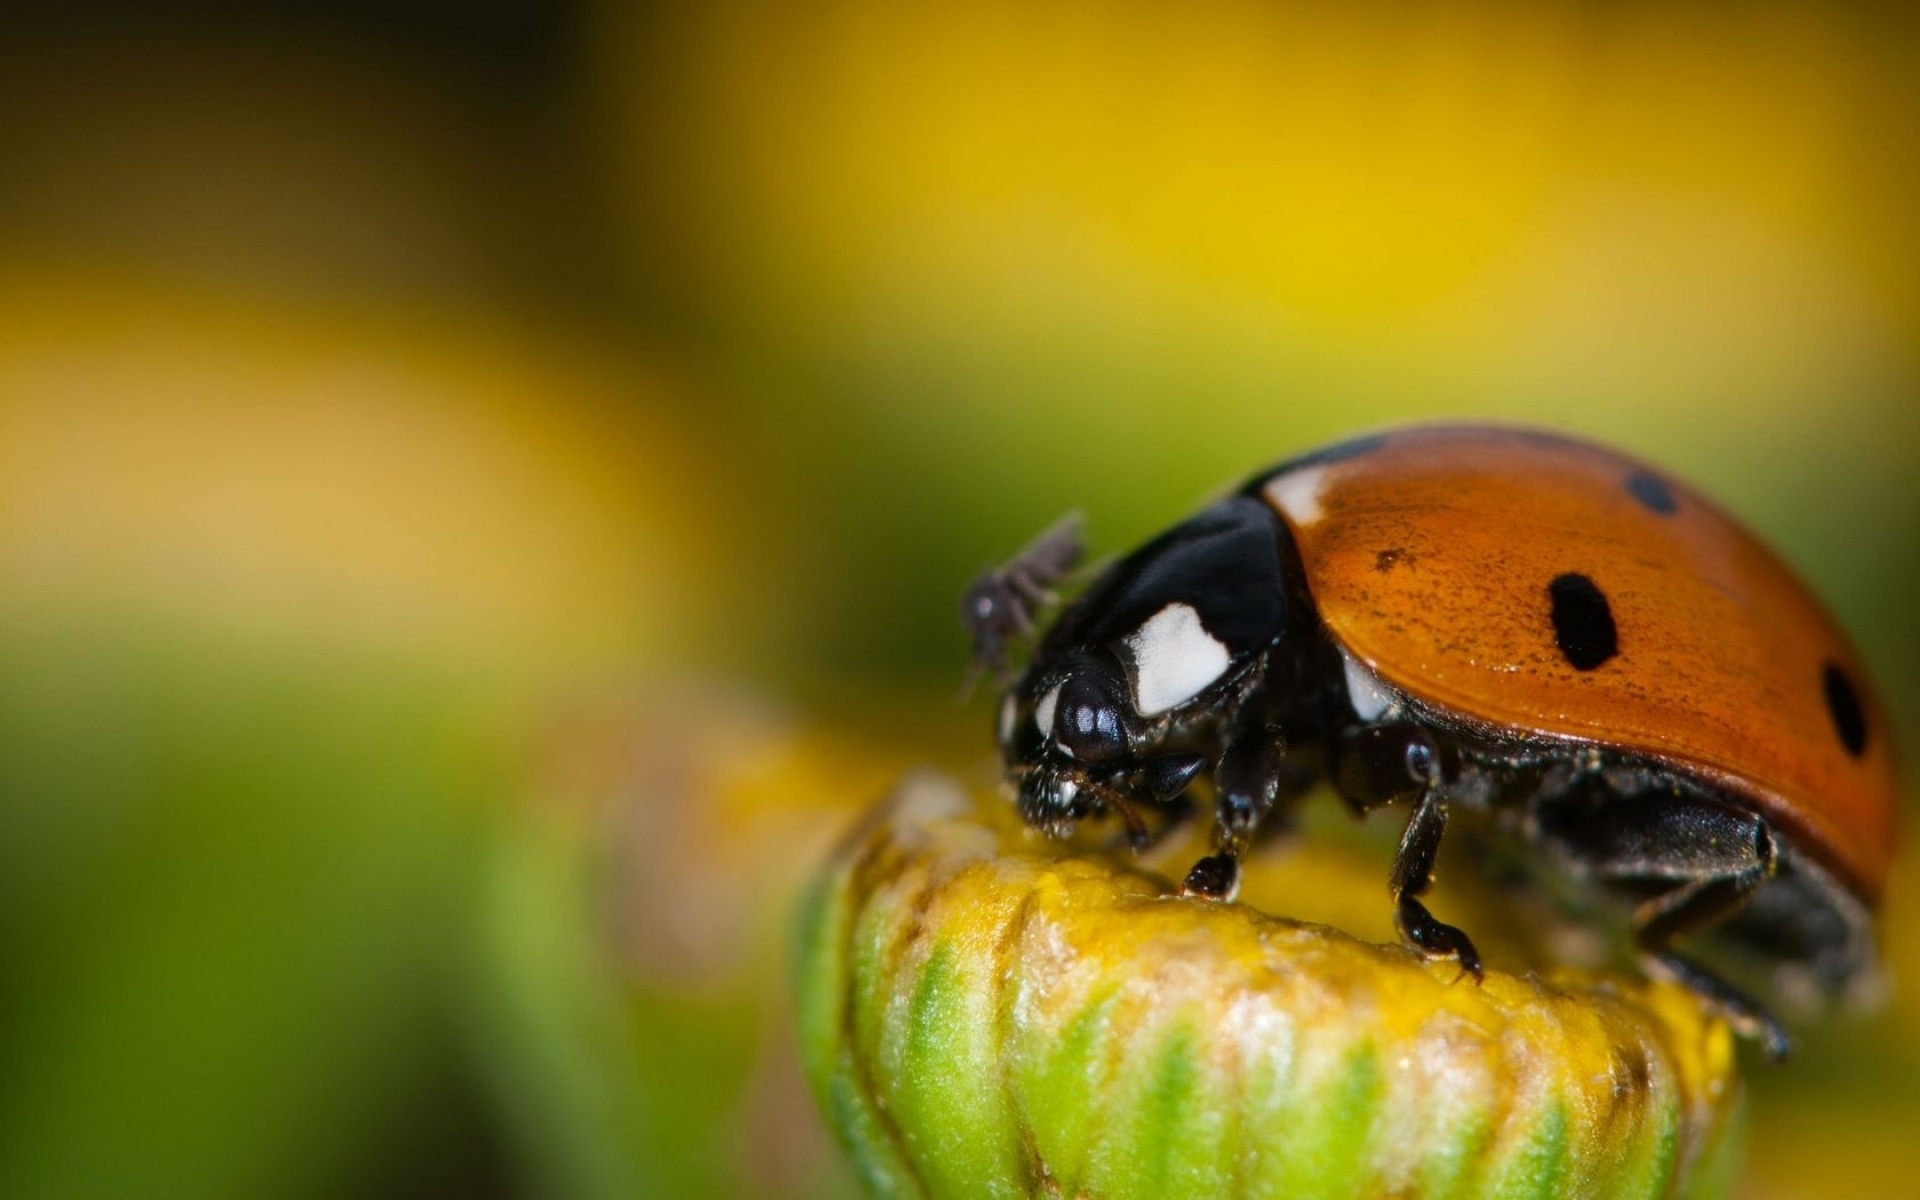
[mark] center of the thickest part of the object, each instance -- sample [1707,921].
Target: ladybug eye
[1086,721]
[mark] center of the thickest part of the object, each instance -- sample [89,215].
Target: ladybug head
[1128,693]
[1073,742]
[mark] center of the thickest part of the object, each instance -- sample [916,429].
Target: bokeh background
[484,489]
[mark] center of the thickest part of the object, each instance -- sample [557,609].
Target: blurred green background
[484,489]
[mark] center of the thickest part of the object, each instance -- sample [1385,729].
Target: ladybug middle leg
[1383,764]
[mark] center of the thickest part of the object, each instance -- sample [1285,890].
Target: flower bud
[983,1014]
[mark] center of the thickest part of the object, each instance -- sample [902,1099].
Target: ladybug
[1517,624]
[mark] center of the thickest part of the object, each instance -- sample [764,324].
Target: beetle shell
[1534,583]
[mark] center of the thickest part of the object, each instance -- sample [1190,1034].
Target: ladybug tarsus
[1215,877]
[1749,1018]
[1435,938]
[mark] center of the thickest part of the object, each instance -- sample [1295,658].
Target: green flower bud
[982,1018]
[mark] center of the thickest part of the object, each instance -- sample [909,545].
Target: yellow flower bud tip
[982,1017]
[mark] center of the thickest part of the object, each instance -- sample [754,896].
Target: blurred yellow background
[484,491]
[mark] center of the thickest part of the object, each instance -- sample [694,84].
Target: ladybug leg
[1712,855]
[1246,785]
[1130,818]
[1382,764]
[1691,906]
[1141,836]
[1215,877]
[1413,875]
[1748,1016]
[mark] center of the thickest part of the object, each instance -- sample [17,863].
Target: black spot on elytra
[1652,491]
[1386,560]
[1582,622]
[1843,705]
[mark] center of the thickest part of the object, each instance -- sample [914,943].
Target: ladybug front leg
[1383,764]
[1247,784]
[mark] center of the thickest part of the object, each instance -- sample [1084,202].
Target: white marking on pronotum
[1174,659]
[1043,710]
[1297,493]
[1369,696]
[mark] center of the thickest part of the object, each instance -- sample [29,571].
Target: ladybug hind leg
[1694,905]
[1709,858]
[1384,764]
